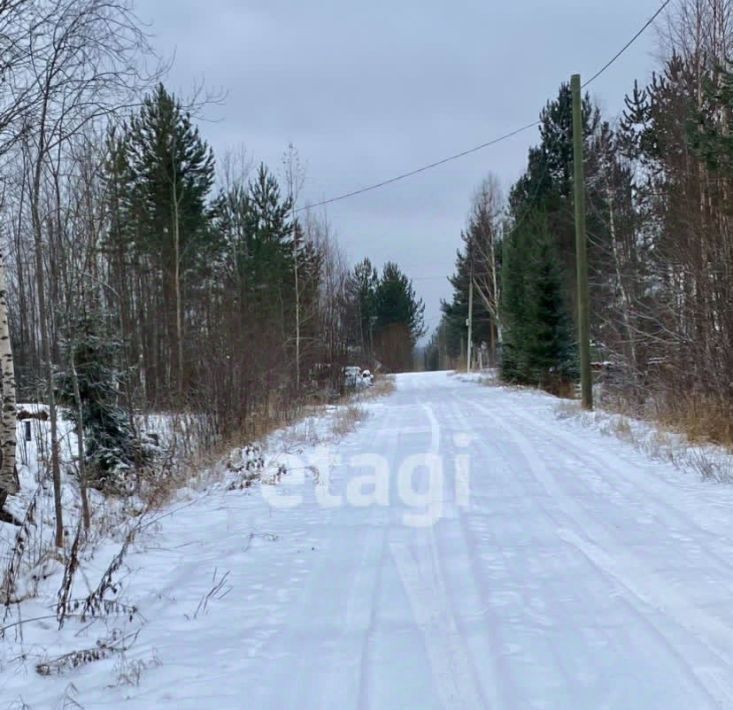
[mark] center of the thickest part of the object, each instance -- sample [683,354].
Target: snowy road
[572,573]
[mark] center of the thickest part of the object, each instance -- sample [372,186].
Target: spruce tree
[514,366]
[538,270]
[361,292]
[89,385]
[399,318]
[549,347]
[538,346]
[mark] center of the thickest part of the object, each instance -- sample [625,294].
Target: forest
[241,466]
[144,274]
[658,185]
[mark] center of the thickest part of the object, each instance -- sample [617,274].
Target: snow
[571,570]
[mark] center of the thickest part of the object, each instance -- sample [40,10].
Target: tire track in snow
[339,591]
[550,604]
[419,568]
[453,675]
[511,695]
[610,566]
[666,509]
[347,673]
[627,571]
[366,664]
[663,510]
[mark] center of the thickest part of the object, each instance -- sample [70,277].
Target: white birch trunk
[8,475]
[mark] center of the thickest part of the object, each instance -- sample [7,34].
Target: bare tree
[17,96]
[294,172]
[84,62]
[485,232]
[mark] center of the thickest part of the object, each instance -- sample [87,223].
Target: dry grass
[622,429]
[194,449]
[657,441]
[129,672]
[184,463]
[184,468]
[346,420]
[116,643]
[700,419]
[305,435]
[383,385]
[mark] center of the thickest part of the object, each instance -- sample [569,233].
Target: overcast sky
[366,90]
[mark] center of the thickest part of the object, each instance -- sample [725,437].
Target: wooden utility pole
[469,321]
[586,382]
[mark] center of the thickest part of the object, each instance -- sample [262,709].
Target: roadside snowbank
[713,463]
[79,615]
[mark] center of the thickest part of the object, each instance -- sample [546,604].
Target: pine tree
[171,174]
[118,243]
[260,247]
[708,130]
[270,253]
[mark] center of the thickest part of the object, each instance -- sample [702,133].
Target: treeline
[385,316]
[143,275]
[658,193]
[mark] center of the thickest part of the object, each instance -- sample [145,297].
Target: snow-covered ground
[463,548]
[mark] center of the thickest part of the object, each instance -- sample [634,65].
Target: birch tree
[294,173]
[15,98]
[84,63]
[484,230]
[8,475]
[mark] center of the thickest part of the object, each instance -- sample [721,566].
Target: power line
[629,43]
[487,144]
[422,169]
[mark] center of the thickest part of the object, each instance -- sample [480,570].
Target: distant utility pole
[586,382]
[469,320]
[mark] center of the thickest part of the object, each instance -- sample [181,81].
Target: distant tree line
[659,181]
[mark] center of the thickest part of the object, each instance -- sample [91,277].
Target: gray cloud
[368,90]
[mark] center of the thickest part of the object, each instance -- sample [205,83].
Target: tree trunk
[177,288]
[626,300]
[46,346]
[86,515]
[297,303]
[9,484]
